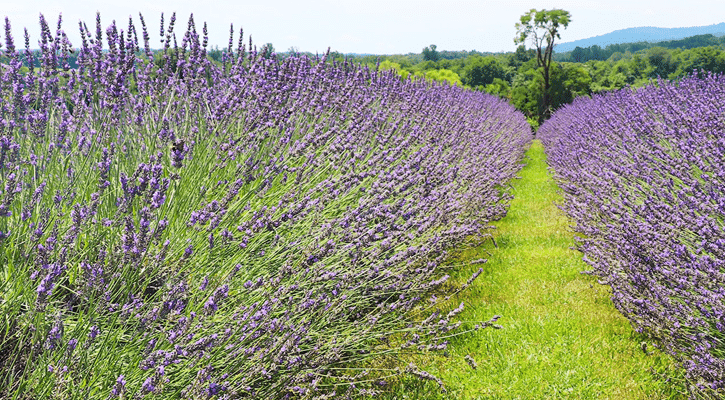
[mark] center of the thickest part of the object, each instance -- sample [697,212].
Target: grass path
[561,336]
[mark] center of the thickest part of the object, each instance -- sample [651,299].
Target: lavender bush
[179,228]
[643,174]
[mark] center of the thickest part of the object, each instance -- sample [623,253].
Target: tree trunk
[547,97]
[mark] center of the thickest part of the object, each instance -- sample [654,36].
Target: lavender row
[171,226]
[643,173]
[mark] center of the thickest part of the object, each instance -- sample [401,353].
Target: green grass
[561,336]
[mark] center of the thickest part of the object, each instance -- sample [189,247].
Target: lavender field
[255,228]
[643,174]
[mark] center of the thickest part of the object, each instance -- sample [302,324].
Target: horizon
[356,28]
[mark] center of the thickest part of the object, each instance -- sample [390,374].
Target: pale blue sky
[366,26]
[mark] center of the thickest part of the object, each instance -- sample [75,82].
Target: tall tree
[430,53]
[542,28]
[597,53]
[578,54]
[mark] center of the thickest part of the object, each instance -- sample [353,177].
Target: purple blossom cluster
[241,229]
[643,175]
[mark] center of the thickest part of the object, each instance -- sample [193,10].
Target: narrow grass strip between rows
[561,335]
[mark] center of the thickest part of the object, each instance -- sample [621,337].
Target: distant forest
[597,53]
[513,75]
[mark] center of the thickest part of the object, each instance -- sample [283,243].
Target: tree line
[518,76]
[617,51]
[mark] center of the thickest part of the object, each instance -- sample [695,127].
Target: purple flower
[149,385]
[211,306]
[93,332]
[214,388]
[72,345]
[54,335]
[178,153]
[188,252]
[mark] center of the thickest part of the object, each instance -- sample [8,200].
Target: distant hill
[642,34]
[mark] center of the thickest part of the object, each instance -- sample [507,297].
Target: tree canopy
[482,71]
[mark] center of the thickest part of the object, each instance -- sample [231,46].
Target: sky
[361,26]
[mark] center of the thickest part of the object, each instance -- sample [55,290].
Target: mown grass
[561,335]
